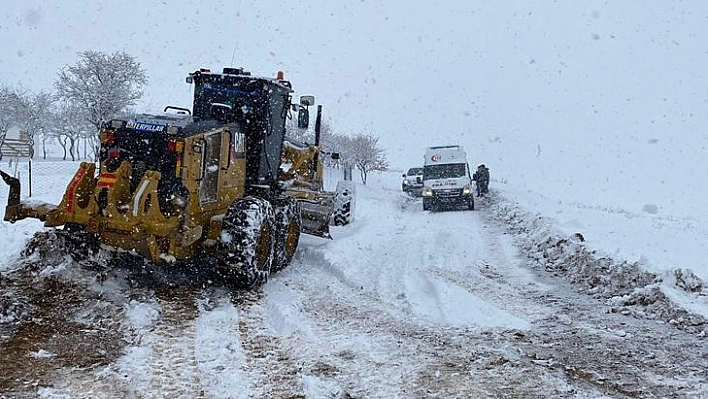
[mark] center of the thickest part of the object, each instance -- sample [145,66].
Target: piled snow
[677,297]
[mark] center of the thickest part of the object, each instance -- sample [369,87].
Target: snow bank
[678,297]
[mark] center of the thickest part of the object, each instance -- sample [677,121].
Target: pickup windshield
[415,171]
[444,171]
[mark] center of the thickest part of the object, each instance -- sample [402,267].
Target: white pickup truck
[412,183]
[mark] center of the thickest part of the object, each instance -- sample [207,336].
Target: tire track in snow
[276,375]
[173,363]
[574,349]
[493,288]
[620,356]
[413,358]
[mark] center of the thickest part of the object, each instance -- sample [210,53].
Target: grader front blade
[315,215]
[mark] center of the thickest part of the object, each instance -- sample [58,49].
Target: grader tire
[79,243]
[343,203]
[287,227]
[247,243]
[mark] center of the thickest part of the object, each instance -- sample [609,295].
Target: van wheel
[287,227]
[247,243]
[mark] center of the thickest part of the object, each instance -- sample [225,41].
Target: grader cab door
[211,164]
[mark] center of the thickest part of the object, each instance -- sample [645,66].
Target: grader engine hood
[104,205]
[126,201]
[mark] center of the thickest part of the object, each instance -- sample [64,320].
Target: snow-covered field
[504,301]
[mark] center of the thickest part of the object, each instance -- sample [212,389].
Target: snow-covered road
[400,304]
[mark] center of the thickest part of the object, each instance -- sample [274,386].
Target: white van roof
[445,154]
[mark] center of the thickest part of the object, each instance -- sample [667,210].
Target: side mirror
[303,118]
[307,101]
[403,175]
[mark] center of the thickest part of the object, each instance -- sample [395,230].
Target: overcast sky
[537,90]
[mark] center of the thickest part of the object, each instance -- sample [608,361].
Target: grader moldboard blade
[314,216]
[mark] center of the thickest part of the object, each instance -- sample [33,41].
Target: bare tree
[68,127]
[7,100]
[32,114]
[101,85]
[364,151]
[332,142]
[92,142]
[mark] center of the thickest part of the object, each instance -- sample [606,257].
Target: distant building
[15,144]
[14,133]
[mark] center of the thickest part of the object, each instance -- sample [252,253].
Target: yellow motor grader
[208,182]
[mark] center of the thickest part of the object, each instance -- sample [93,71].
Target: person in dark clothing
[481,176]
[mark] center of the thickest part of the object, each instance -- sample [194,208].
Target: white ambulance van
[447,182]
